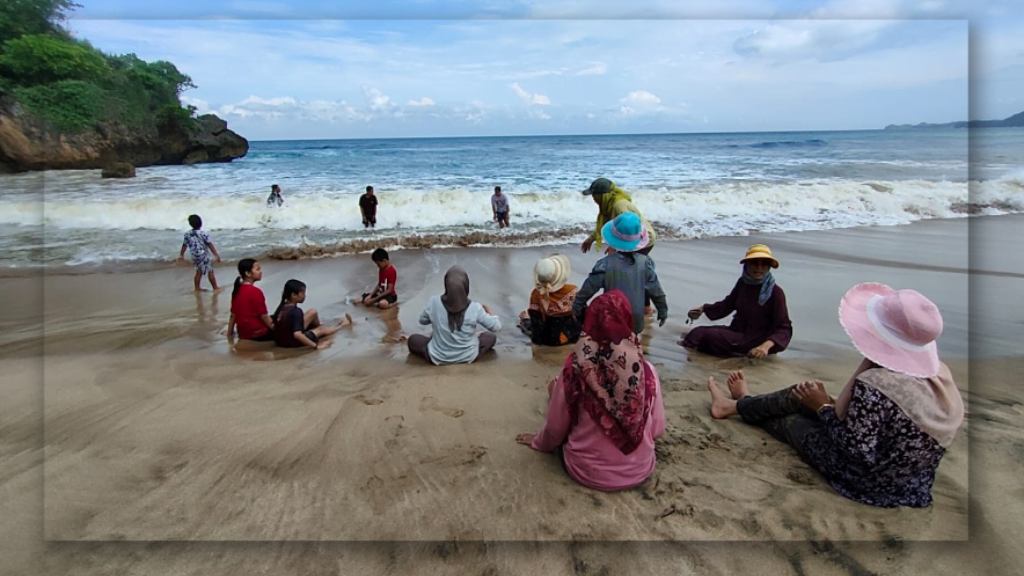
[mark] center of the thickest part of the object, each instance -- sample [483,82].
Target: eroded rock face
[28,143]
[118,170]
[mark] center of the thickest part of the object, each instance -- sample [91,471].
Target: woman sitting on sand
[605,409]
[761,325]
[549,320]
[249,305]
[294,328]
[881,441]
[455,319]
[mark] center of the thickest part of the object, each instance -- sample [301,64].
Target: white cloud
[535,99]
[597,69]
[421,102]
[283,101]
[821,40]
[642,98]
[538,114]
[377,99]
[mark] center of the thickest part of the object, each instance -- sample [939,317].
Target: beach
[128,417]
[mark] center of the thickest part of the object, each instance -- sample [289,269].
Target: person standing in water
[275,196]
[368,208]
[499,205]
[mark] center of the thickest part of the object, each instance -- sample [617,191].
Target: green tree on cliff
[75,86]
[25,17]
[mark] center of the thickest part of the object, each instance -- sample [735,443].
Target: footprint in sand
[369,401]
[801,477]
[430,403]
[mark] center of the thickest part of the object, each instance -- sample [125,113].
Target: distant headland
[1015,121]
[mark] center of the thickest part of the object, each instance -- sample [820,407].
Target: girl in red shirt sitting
[249,305]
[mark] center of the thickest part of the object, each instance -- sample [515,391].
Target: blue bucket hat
[626,233]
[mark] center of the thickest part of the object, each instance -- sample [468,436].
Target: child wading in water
[294,328]
[200,246]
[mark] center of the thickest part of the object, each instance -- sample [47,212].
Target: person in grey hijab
[456,320]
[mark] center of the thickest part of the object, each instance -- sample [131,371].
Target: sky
[284,69]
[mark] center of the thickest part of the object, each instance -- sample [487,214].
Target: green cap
[598,187]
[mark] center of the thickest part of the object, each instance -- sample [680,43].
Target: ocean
[435,192]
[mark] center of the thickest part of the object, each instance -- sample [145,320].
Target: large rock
[28,143]
[118,170]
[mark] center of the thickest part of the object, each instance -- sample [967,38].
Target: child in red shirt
[249,305]
[384,295]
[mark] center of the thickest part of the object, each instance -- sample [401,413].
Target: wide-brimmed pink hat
[896,329]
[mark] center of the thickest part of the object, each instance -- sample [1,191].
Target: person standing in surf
[499,205]
[275,196]
[368,208]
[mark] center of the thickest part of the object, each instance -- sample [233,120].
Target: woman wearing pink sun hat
[881,441]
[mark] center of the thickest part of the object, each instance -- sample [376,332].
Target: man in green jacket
[613,201]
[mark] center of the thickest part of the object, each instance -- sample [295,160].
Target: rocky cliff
[28,143]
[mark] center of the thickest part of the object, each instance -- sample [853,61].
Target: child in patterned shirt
[200,246]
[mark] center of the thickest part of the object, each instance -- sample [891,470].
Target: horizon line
[575,135]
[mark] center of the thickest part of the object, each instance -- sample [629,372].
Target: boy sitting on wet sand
[384,295]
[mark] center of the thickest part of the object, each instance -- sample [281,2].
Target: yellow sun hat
[759,252]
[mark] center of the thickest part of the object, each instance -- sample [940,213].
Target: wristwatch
[826,405]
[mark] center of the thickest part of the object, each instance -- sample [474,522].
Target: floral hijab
[606,374]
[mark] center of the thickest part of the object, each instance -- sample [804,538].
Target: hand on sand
[758,352]
[525,439]
[811,394]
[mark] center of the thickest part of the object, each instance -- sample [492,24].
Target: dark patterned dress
[876,455]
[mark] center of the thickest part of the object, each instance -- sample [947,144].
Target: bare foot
[737,385]
[347,321]
[721,407]
[218,290]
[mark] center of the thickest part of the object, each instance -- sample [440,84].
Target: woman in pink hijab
[881,441]
[605,409]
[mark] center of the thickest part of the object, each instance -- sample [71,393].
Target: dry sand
[131,418]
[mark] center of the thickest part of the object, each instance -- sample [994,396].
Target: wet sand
[155,428]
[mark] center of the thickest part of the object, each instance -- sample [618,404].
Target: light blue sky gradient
[287,70]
